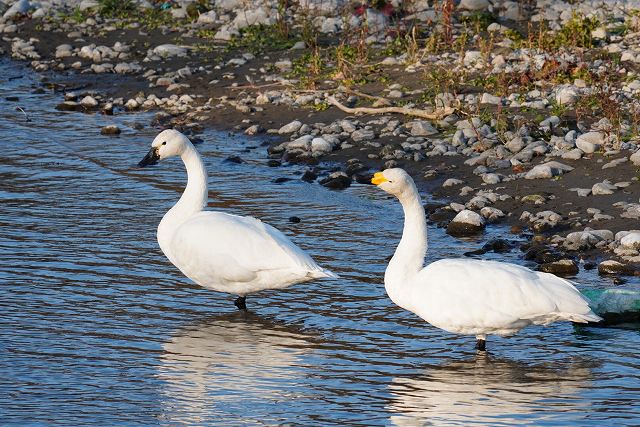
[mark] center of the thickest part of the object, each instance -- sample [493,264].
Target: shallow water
[98,328]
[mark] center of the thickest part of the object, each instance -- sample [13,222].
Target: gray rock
[614,267]
[590,142]
[614,163]
[110,130]
[292,127]
[452,182]
[491,214]
[208,18]
[320,146]
[336,181]
[422,128]
[474,4]
[566,95]
[631,240]
[466,223]
[535,199]
[20,7]
[563,267]
[254,130]
[515,145]
[170,50]
[487,98]
[89,102]
[574,154]
[362,135]
[603,188]
[491,178]
[582,192]
[69,106]
[548,170]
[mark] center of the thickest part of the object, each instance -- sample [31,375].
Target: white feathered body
[469,296]
[219,251]
[479,297]
[235,254]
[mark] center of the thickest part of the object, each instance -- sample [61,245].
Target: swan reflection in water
[486,390]
[231,367]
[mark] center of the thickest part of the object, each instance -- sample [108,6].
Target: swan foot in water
[481,344]
[241,303]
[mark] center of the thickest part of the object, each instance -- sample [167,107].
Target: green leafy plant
[115,8]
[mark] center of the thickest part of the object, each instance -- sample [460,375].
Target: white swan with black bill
[227,253]
[468,296]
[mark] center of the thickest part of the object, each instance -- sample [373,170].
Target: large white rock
[258,16]
[566,95]
[590,141]
[230,5]
[603,188]
[466,223]
[635,158]
[169,50]
[292,127]
[487,98]
[422,128]
[452,182]
[329,25]
[469,217]
[88,4]
[89,101]
[512,10]
[548,170]
[320,146]
[63,51]
[322,7]
[631,240]
[226,33]
[471,57]
[303,143]
[491,213]
[207,18]
[20,7]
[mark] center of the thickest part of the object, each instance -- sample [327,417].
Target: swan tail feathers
[322,274]
[590,317]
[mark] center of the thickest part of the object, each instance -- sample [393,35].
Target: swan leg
[241,303]
[481,342]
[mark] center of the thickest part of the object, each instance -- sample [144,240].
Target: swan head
[394,181]
[167,144]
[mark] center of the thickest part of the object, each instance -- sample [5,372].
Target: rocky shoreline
[522,115]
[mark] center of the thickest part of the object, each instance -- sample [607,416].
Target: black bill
[151,158]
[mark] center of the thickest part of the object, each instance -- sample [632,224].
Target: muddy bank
[534,127]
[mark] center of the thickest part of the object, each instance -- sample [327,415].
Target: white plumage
[219,251]
[468,296]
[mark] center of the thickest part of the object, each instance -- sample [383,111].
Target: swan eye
[164,143]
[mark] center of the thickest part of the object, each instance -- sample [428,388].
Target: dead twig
[26,116]
[398,110]
[365,95]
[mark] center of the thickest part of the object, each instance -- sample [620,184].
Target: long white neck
[195,196]
[408,259]
[193,199]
